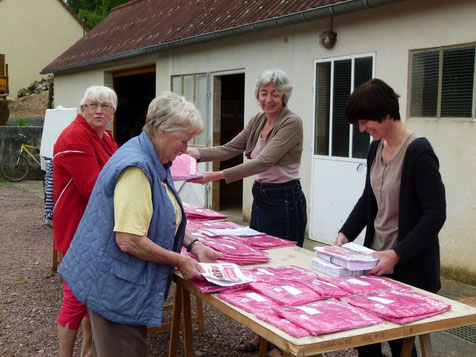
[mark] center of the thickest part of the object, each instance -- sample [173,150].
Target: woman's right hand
[194,153]
[190,268]
[209,176]
[341,239]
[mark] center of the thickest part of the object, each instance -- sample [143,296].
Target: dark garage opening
[232,122]
[134,93]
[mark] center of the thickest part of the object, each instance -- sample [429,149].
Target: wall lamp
[327,39]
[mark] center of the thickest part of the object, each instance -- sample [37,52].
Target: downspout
[341,8]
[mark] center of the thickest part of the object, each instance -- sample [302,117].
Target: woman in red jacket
[79,154]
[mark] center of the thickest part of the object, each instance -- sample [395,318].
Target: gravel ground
[30,294]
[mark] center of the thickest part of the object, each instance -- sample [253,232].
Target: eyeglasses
[95,106]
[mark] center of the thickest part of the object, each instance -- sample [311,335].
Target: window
[443,82]
[335,81]
[194,87]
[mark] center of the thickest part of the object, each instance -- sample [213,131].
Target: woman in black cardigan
[403,204]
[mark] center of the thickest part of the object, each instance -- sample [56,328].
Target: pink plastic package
[325,289]
[365,284]
[184,168]
[219,225]
[270,316]
[266,241]
[195,212]
[288,292]
[399,306]
[207,287]
[236,252]
[249,300]
[327,316]
[291,272]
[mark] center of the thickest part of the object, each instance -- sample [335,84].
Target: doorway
[228,119]
[135,90]
[338,160]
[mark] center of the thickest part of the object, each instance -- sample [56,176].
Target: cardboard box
[3,83]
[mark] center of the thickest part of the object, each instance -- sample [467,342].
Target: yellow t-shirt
[133,202]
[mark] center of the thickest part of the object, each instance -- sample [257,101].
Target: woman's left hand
[205,254]
[388,260]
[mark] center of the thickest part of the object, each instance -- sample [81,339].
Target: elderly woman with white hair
[122,257]
[272,141]
[80,152]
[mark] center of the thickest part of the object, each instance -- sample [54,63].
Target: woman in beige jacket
[272,142]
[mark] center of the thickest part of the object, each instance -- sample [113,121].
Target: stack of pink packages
[235,251]
[399,306]
[184,168]
[365,284]
[261,241]
[327,316]
[195,212]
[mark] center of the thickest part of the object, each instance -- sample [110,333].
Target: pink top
[275,174]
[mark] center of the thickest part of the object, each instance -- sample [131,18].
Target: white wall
[34,33]
[69,89]
[391,32]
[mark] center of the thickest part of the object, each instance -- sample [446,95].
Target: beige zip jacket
[283,146]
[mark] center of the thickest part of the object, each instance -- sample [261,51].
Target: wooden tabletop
[459,315]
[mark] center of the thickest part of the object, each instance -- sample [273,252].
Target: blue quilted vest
[117,285]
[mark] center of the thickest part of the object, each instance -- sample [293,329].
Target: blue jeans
[279,209]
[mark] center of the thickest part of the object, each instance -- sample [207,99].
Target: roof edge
[76,17]
[330,10]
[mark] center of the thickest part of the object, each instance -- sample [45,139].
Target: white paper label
[264,271]
[309,310]
[358,282]
[381,300]
[255,297]
[292,290]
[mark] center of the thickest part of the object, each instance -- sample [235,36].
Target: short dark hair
[373,100]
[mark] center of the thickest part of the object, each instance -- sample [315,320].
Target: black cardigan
[422,214]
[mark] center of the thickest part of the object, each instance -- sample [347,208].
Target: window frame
[438,116]
[332,61]
[205,115]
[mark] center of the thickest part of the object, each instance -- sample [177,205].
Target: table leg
[425,344]
[407,346]
[175,328]
[187,323]
[263,347]
[201,322]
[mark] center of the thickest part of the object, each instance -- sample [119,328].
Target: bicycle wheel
[14,168]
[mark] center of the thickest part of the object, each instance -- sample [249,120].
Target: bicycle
[15,166]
